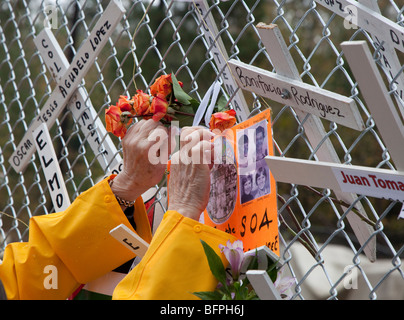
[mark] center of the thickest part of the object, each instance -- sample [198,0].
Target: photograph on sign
[253,171]
[242,200]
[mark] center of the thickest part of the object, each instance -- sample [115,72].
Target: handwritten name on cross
[80,105]
[320,102]
[130,240]
[314,129]
[69,82]
[385,34]
[375,23]
[51,168]
[389,59]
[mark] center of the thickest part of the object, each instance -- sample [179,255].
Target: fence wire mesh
[159,36]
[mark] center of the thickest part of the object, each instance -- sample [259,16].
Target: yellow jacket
[77,244]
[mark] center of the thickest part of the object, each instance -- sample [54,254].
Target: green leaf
[221,104]
[179,93]
[208,295]
[215,263]
[272,270]
[241,291]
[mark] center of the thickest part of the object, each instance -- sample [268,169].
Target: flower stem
[347,205]
[184,113]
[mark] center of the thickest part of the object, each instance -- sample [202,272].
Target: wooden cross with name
[68,82]
[80,105]
[310,104]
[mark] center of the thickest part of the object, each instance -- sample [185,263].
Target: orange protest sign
[243,191]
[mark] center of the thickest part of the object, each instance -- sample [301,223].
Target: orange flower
[162,85]
[159,107]
[124,104]
[223,120]
[114,123]
[141,103]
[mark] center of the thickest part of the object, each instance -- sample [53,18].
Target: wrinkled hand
[189,183]
[145,153]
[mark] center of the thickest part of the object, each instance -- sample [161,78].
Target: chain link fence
[155,37]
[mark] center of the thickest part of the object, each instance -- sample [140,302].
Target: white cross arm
[373,22]
[373,182]
[263,285]
[320,102]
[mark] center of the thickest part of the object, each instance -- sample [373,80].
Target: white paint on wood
[51,169]
[130,240]
[389,60]
[377,98]
[263,285]
[373,182]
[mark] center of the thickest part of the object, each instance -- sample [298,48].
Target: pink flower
[234,253]
[284,284]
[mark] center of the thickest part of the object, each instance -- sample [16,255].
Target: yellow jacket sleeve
[175,264]
[66,249]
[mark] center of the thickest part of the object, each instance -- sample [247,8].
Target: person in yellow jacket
[76,243]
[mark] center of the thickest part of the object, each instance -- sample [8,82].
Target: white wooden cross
[69,82]
[377,98]
[314,129]
[320,102]
[80,105]
[220,56]
[389,60]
